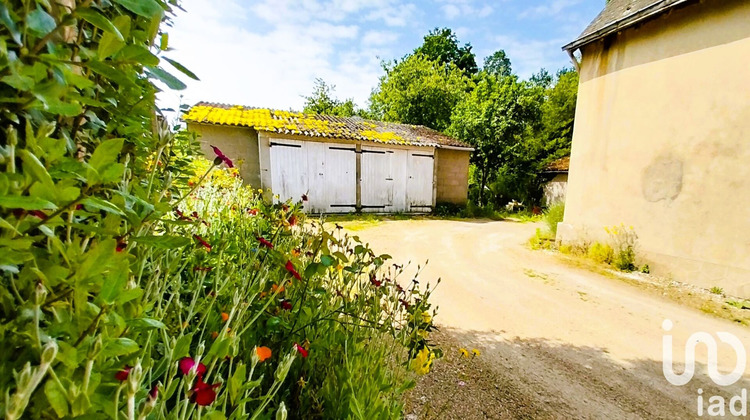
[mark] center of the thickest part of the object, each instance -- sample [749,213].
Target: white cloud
[269,54]
[550,9]
[528,56]
[453,9]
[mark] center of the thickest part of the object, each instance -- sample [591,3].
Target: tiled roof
[620,14]
[313,125]
[559,165]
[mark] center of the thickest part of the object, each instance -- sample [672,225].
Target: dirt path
[556,341]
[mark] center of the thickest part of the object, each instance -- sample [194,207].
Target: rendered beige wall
[237,143]
[452,176]
[662,143]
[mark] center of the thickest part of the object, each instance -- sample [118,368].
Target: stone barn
[342,164]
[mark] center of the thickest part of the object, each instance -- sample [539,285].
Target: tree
[558,115]
[419,91]
[498,64]
[494,118]
[322,101]
[441,45]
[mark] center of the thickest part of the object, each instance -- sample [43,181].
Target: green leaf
[106,153]
[26,203]
[63,108]
[35,168]
[181,68]
[219,349]
[8,22]
[111,73]
[327,260]
[145,323]
[311,269]
[182,347]
[109,44]
[162,75]
[119,347]
[236,382]
[56,397]
[145,8]
[39,22]
[164,241]
[97,19]
[214,415]
[99,204]
[114,284]
[164,41]
[138,53]
[18,81]
[129,295]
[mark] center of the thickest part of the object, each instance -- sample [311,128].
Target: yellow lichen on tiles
[386,136]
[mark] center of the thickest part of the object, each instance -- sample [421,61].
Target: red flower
[290,268]
[121,245]
[154,392]
[301,350]
[293,220]
[180,215]
[204,269]
[187,363]
[203,242]
[38,213]
[284,207]
[221,157]
[264,242]
[375,282]
[123,374]
[304,197]
[252,212]
[286,305]
[405,303]
[195,215]
[203,393]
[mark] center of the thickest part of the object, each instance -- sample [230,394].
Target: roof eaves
[638,16]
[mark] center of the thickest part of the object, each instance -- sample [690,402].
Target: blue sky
[267,53]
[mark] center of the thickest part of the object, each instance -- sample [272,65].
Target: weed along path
[555,340]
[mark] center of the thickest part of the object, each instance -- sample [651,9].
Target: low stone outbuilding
[342,164]
[554,189]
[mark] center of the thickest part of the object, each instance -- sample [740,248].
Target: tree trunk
[482,186]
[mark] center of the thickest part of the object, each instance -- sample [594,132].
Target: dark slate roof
[620,14]
[559,165]
[314,125]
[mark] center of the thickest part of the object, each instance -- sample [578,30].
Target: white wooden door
[419,181]
[376,179]
[340,178]
[289,170]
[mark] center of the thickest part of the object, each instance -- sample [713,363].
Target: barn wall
[237,143]
[554,190]
[452,176]
[662,143]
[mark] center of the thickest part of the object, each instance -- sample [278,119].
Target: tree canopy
[442,45]
[322,101]
[498,64]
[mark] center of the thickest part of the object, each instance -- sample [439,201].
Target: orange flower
[276,288]
[263,353]
[214,335]
[224,316]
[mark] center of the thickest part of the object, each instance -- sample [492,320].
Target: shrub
[624,242]
[131,288]
[601,253]
[553,216]
[717,290]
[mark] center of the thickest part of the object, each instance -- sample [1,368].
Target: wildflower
[296,252]
[423,334]
[188,363]
[375,282]
[224,317]
[339,268]
[422,361]
[293,220]
[290,268]
[277,289]
[122,375]
[284,207]
[286,305]
[264,242]
[302,351]
[180,215]
[475,352]
[204,269]
[121,245]
[301,382]
[252,212]
[154,392]
[263,353]
[220,157]
[202,242]
[464,352]
[304,197]
[214,335]
[38,214]
[426,318]
[203,393]
[404,303]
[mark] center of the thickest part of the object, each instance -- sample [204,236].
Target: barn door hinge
[285,145]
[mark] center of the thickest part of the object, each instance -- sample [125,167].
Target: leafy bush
[132,288]
[601,253]
[624,242]
[553,216]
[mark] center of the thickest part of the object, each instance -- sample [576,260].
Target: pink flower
[154,392]
[187,363]
[286,305]
[221,157]
[302,351]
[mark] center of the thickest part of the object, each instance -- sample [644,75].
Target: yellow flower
[475,352]
[422,361]
[464,352]
[426,318]
[422,334]
[301,382]
[339,267]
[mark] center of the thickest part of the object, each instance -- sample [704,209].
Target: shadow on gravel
[531,379]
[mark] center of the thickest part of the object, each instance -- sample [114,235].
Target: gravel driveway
[557,341]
